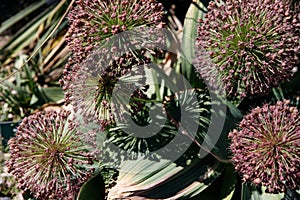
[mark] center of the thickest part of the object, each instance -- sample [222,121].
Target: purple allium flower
[94,83]
[266,147]
[252,44]
[48,156]
[92,21]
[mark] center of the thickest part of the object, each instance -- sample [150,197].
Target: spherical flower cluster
[252,44]
[266,147]
[48,156]
[92,21]
[94,83]
[93,24]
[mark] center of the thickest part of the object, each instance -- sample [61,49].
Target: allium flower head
[266,147]
[94,83]
[251,42]
[92,21]
[48,156]
[120,25]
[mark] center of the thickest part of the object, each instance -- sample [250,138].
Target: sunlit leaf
[145,179]
[196,11]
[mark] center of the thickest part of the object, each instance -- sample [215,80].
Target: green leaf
[229,180]
[222,188]
[93,189]
[288,90]
[29,33]
[21,15]
[54,94]
[23,39]
[232,118]
[34,99]
[195,12]
[163,179]
[292,195]
[252,193]
[278,93]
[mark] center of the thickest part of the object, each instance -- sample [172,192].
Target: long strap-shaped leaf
[196,11]
[165,179]
[21,15]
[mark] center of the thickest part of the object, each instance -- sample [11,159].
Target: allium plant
[95,81]
[252,44]
[266,147]
[92,21]
[93,24]
[48,156]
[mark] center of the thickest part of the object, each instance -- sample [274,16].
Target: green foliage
[93,189]
[195,12]
[164,179]
[21,94]
[251,193]
[28,82]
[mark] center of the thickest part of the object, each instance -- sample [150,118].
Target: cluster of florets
[94,84]
[102,29]
[252,44]
[266,147]
[92,21]
[48,156]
